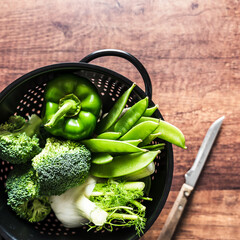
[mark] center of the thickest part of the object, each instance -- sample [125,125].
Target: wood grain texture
[210,214]
[191,50]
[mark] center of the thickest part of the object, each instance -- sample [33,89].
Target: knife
[191,178]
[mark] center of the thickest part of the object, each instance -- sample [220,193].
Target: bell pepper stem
[69,105]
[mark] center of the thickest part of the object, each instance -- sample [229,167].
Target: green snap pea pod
[123,165]
[131,116]
[123,112]
[134,142]
[101,158]
[147,113]
[154,147]
[169,132]
[106,122]
[110,146]
[150,111]
[150,138]
[144,119]
[109,135]
[140,131]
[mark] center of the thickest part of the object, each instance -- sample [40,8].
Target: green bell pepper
[72,107]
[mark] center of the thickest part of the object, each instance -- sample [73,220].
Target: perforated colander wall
[32,101]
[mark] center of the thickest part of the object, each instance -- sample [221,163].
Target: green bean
[109,135]
[150,111]
[106,122]
[110,146]
[123,165]
[101,158]
[169,132]
[140,131]
[131,116]
[154,147]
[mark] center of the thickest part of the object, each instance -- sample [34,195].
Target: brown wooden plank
[209,215]
[191,50]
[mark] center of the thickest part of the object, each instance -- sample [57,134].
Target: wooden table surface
[191,49]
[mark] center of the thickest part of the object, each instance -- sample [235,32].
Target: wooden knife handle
[175,213]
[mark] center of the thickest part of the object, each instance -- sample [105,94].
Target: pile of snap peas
[124,138]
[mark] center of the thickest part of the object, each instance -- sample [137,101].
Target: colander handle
[127,56]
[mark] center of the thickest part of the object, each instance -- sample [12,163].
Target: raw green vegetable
[64,205]
[101,158]
[23,194]
[168,132]
[61,165]
[131,116]
[140,131]
[121,200]
[155,147]
[90,210]
[19,142]
[109,135]
[149,139]
[110,146]
[102,205]
[150,111]
[142,173]
[137,122]
[72,107]
[134,142]
[115,112]
[123,165]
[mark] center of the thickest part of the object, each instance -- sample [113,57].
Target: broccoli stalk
[19,142]
[23,194]
[39,209]
[31,127]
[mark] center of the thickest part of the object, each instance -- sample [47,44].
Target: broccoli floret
[62,164]
[13,123]
[18,139]
[23,194]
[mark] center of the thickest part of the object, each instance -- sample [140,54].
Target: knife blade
[191,178]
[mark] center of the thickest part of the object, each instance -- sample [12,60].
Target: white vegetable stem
[64,205]
[91,211]
[64,209]
[134,186]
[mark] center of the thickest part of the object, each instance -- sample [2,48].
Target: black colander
[25,96]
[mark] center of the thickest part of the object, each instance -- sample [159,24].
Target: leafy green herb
[122,202]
